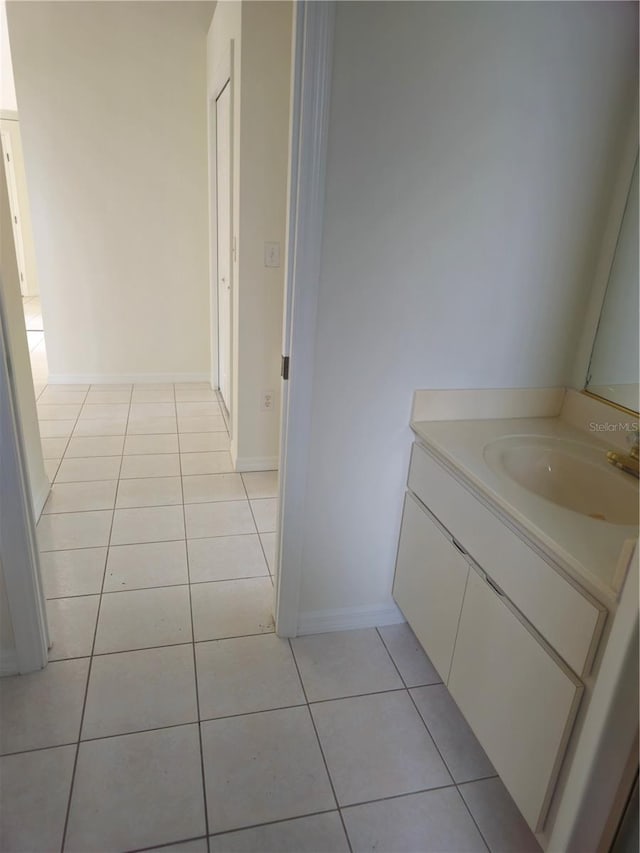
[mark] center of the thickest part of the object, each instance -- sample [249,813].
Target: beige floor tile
[232,608]
[77,572]
[137,790]
[99,395]
[160,394]
[205,488]
[58,413]
[261,484]
[414,666]
[146,565]
[152,425]
[53,448]
[91,469]
[246,674]
[498,818]
[215,462]
[269,542]
[344,663]
[101,426]
[159,443]
[201,423]
[56,429]
[74,530]
[322,832]
[203,442]
[149,491]
[94,445]
[76,497]
[433,822]
[134,691]
[226,558]
[34,791]
[150,465]
[100,411]
[265,512]
[141,410]
[148,524]
[250,779]
[223,518]
[43,708]
[72,624]
[141,619]
[457,744]
[377,746]
[197,409]
[186,393]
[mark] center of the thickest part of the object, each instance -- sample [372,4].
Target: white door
[14,207]
[223,218]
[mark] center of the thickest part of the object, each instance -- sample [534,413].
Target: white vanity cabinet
[512,682]
[518,698]
[431,576]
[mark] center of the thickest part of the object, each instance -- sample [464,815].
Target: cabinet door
[431,575]
[517,696]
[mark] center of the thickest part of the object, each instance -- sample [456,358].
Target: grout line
[434,740]
[86,691]
[324,758]
[193,646]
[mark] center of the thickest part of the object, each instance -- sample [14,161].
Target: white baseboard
[8,662]
[123,378]
[40,499]
[256,463]
[348,618]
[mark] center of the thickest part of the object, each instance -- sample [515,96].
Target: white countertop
[594,552]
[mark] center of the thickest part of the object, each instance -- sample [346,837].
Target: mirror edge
[606,254]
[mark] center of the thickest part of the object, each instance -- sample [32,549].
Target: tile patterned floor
[171,716]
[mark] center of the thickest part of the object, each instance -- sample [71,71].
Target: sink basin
[567,473]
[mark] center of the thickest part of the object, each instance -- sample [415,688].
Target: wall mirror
[613,367]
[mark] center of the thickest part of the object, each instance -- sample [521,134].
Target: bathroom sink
[568,473]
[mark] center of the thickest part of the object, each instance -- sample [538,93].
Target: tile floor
[171,716]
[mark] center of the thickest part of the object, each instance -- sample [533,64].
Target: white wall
[113,118]
[7,640]
[262,46]
[7,87]
[470,147]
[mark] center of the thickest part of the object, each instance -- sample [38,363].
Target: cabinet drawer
[429,583]
[518,698]
[567,618]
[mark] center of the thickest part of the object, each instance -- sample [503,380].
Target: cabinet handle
[457,545]
[494,586]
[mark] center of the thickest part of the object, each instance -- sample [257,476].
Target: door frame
[222,76]
[312,59]
[18,545]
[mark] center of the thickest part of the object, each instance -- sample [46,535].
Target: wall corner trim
[243,464]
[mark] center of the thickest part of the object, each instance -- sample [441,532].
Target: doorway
[223,229]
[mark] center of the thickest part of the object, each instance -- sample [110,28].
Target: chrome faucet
[627,462]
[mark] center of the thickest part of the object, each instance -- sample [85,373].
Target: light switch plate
[272,254]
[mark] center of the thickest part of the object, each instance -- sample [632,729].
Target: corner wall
[470,149]
[113,119]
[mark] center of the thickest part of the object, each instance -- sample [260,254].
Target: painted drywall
[470,148]
[12,127]
[262,68]
[113,119]
[7,86]
[7,640]
[18,350]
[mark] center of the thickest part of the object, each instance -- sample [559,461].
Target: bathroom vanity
[516,540]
